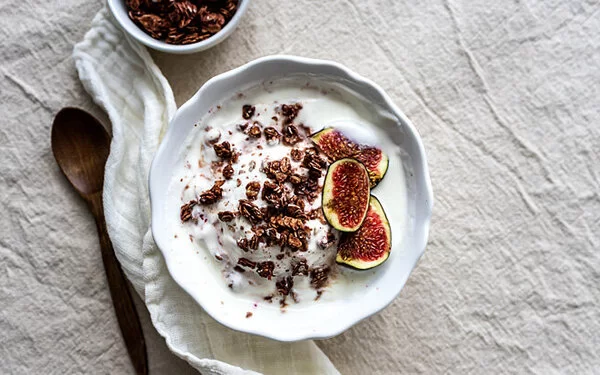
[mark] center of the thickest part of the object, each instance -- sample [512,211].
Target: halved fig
[370,245]
[336,146]
[376,163]
[346,194]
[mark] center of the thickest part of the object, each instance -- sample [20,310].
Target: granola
[267,205]
[182,21]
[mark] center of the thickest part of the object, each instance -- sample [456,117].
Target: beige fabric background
[506,97]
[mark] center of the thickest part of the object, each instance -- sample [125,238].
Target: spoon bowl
[81,146]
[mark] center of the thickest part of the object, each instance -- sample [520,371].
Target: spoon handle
[127,316]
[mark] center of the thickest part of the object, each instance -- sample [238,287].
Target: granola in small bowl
[178,26]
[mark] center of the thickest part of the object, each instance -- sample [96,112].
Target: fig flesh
[336,146]
[371,244]
[346,194]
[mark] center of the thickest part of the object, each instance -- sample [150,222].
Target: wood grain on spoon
[81,145]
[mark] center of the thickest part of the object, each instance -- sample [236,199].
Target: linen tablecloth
[505,96]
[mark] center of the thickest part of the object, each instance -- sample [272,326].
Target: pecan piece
[300,268]
[246,263]
[226,216]
[281,177]
[243,244]
[252,190]
[228,171]
[254,131]
[296,211]
[285,165]
[265,269]
[296,179]
[250,211]
[248,111]
[296,154]
[313,162]
[186,211]
[285,285]
[294,243]
[253,242]
[290,111]
[319,277]
[213,194]
[290,135]
[271,134]
[223,150]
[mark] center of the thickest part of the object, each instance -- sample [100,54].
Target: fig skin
[363,249]
[346,148]
[345,202]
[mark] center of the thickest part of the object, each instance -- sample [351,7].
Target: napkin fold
[121,77]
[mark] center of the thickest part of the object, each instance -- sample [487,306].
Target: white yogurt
[323,105]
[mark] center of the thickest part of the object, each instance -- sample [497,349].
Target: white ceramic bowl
[119,11]
[317,320]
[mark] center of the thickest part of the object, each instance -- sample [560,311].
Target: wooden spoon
[81,146]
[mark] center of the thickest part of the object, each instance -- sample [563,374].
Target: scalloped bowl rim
[421,174]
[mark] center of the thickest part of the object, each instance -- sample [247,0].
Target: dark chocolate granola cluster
[181,21]
[282,219]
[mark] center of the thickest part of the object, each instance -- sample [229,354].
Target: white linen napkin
[121,77]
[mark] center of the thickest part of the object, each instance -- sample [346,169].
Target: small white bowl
[320,319]
[119,11]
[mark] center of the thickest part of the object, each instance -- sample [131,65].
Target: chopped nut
[314,162]
[290,111]
[300,268]
[253,242]
[252,190]
[243,244]
[223,150]
[248,111]
[296,154]
[273,193]
[281,177]
[186,211]
[287,222]
[271,133]
[296,211]
[285,165]
[319,277]
[296,179]
[246,263]
[294,242]
[290,135]
[250,211]
[213,195]
[271,233]
[254,131]
[284,285]
[226,216]
[265,269]
[228,171]
[242,127]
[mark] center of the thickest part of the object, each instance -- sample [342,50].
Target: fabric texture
[505,96]
[121,77]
